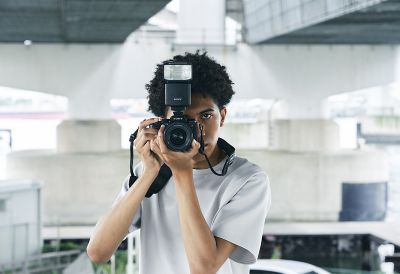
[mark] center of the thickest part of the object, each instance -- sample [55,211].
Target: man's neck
[215,158]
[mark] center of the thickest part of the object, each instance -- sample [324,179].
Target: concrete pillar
[304,135]
[89,104]
[306,107]
[201,22]
[305,127]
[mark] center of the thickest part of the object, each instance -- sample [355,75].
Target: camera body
[179,132]
[179,129]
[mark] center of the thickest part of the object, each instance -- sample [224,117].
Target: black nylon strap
[161,180]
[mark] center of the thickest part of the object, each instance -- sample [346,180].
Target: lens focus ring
[178,136]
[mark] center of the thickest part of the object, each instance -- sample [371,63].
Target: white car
[264,266]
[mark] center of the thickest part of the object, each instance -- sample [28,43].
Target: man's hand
[151,161]
[177,161]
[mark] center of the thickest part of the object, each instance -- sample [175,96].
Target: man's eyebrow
[206,110]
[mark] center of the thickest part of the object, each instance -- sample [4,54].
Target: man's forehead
[199,103]
[197,107]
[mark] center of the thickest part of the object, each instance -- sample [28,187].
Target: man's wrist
[150,174]
[182,174]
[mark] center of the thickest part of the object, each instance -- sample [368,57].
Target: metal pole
[137,249]
[13,246]
[113,264]
[129,263]
[25,267]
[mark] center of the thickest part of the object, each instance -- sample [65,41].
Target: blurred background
[317,105]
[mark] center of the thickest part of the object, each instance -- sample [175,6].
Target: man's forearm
[199,242]
[113,226]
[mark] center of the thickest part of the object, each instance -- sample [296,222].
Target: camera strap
[223,145]
[165,172]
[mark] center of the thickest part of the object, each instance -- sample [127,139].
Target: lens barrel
[178,136]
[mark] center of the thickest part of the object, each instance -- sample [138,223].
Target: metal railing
[52,262]
[232,36]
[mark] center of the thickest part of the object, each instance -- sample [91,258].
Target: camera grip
[156,125]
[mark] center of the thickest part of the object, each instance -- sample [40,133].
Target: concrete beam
[91,75]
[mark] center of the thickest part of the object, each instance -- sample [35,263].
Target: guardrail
[52,262]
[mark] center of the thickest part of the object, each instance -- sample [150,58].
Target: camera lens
[178,136]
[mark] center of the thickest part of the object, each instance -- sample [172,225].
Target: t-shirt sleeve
[135,223]
[241,220]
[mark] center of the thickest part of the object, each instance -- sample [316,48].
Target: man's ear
[167,109]
[223,115]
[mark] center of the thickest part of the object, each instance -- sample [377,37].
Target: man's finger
[148,122]
[160,139]
[195,147]
[143,139]
[155,148]
[195,144]
[146,148]
[150,130]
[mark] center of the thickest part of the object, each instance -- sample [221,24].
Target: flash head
[177,72]
[178,78]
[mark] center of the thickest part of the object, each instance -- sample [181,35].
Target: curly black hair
[208,78]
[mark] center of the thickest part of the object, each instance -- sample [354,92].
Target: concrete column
[201,22]
[305,135]
[89,127]
[89,104]
[305,127]
[306,107]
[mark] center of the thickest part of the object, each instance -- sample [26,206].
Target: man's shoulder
[245,167]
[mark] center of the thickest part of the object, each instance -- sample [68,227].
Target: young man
[199,222]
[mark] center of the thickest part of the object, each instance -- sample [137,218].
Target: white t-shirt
[235,207]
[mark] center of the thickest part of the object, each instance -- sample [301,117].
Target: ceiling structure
[378,24]
[318,22]
[265,21]
[74,21]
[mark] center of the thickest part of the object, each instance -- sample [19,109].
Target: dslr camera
[179,130]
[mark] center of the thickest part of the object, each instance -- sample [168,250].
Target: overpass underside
[74,21]
[323,22]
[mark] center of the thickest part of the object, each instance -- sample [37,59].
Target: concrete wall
[79,187]
[307,186]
